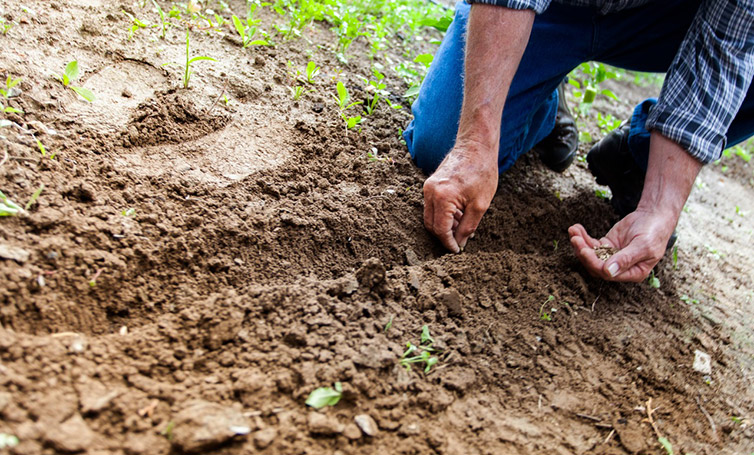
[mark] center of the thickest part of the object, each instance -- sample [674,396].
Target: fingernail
[612,269]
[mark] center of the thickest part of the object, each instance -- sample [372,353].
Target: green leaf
[239,27]
[34,197]
[426,337]
[412,91]
[610,94]
[424,59]
[574,82]
[342,94]
[13,110]
[196,59]
[71,72]
[10,82]
[325,396]
[353,121]
[666,445]
[84,93]
[259,42]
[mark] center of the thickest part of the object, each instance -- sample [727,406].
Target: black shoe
[611,162]
[558,149]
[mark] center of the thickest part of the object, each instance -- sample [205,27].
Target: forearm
[496,40]
[670,176]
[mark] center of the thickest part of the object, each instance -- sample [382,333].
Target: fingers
[469,222]
[442,224]
[631,264]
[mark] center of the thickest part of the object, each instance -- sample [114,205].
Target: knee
[427,145]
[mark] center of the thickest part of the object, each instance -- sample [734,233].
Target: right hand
[458,194]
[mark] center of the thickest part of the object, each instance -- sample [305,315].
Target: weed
[70,75]
[343,99]
[554,245]
[544,315]
[389,324]
[740,212]
[377,87]
[136,24]
[248,28]
[653,280]
[325,396]
[602,194]
[607,123]
[8,207]
[666,445]
[187,74]
[586,79]
[312,70]
[34,197]
[164,22]
[423,352]
[5,26]
[298,91]
[686,299]
[9,84]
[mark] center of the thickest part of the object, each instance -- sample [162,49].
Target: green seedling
[128,212]
[187,74]
[70,75]
[544,315]
[9,84]
[740,212]
[602,194]
[248,28]
[43,150]
[8,207]
[312,70]
[424,59]
[164,22]
[167,432]
[591,74]
[343,99]
[377,88]
[5,26]
[389,324]
[7,441]
[675,257]
[607,123]
[136,24]
[93,281]
[423,352]
[34,197]
[691,301]
[554,245]
[325,396]
[653,280]
[666,445]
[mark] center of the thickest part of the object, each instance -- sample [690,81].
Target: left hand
[640,238]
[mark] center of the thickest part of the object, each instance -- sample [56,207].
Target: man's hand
[458,194]
[461,189]
[641,237]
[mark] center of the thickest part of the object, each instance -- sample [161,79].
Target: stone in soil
[202,426]
[324,425]
[263,438]
[72,436]
[367,424]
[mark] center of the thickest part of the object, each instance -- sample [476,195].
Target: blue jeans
[640,39]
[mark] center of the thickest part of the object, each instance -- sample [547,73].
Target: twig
[649,418]
[588,417]
[599,293]
[222,92]
[609,436]
[709,417]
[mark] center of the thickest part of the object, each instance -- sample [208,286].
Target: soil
[267,255]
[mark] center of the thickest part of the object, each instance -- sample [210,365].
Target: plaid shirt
[708,79]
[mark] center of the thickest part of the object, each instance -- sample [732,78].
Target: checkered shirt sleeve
[708,79]
[538,6]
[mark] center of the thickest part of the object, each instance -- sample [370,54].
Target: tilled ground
[267,255]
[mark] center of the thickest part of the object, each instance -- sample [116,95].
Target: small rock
[702,362]
[73,435]
[412,258]
[14,253]
[126,93]
[324,425]
[371,273]
[367,424]
[453,301]
[352,432]
[413,279]
[202,426]
[263,438]
[409,429]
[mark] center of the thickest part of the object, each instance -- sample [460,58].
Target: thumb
[622,263]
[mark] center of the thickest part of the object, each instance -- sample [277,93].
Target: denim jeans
[641,39]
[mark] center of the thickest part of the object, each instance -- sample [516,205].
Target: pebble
[14,253]
[412,258]
[263,438]
[324,425]
[72,436]
[367,424]
[702,362]
[202,425]
[352,432]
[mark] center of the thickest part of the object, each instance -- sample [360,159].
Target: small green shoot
[688,300]
[70,75]
[167,432]
[5,27]
[554,245]
[675,257]
[9,84]
[34,196]
[312,70]
[666,445]
[93,281]
[136,24]
[544,315]
[653,280]
[187,74]
[248,28]
[8,207]
[43,150]
[424,352]
[7,441]
[602,194]
[343,99]
[389,324]
[325,396]
[128,212]
[164,22]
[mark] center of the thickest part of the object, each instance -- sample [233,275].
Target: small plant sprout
[136,24]
[343,99]
[93,281]
[34,197]
[653,280]
[128,212]
[554,245]
[164,22]
[7,92]
[248,28]
[421,353]
[389,324]
[377,88]
[325,396]
[544,315]
[312,70]
[5,27]
[7,441]
[187,74]
[8,207]
[70,75]
[167,432]
[43,150]
[602,194]
[666,445]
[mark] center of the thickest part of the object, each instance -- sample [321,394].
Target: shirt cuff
[538,6]
[693,134]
